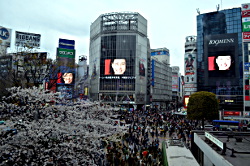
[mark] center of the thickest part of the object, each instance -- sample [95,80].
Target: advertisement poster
[24,39]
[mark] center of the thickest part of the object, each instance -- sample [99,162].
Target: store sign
[24,39]
[61,52]
[246,36]
[231,113]
[221,41]
[5,36]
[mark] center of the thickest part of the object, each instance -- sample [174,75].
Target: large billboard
[5,36]
[222,61]
[66,72]
[66,63]
[24,39]
[190,68]
[117,63]
[221,55]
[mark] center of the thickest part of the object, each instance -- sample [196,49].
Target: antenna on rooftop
[198,11]
[218,7]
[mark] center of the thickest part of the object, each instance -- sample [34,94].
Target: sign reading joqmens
[5,36]
[24,39]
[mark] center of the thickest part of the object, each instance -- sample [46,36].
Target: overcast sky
[169,21]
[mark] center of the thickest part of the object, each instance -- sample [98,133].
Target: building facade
[177,95]
[81,85]
[161,87]
[119,59]
[219,58]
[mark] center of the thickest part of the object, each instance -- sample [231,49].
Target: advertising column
[66,72]
[190,73]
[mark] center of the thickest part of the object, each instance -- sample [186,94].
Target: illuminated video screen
[221,64]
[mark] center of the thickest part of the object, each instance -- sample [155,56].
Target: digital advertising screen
[115,67]
[221,51]
[118,57]
[66,63]
[66,78]
[221,63]
[65,72]
[142,69]
[118,62]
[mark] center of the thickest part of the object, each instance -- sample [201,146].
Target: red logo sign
[246,36]
[229,113]
[245,13]
[245,6]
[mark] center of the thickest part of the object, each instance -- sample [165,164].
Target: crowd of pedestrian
[141,145]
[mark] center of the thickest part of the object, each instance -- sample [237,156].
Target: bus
[226,125]
[175,152]
[244,122]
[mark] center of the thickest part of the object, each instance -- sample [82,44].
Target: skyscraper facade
[119,57]
[219,58]
[161,87]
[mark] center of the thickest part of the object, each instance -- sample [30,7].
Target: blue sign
[159,53]
[153,73]
[67,44]
[4,34]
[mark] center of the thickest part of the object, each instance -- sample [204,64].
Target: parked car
[208,127]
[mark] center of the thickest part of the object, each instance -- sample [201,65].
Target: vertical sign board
[190,72]
[66,73]
[67,44]
[5,36]
[175,82]
[245,14]
[153,72]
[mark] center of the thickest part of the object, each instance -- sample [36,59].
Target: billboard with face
[117,56]
[190,68]
[115,67]
[117,63]
[66,63]
[221,51]
[221,59]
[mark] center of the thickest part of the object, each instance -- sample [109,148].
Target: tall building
[219,58]
[161,87]
[177,96]
[82,77]
[119,58]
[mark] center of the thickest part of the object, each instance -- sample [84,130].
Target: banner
[24,39]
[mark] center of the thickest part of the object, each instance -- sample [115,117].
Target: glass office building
[119,59]
[219,36]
